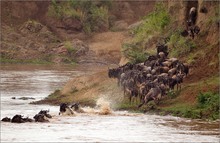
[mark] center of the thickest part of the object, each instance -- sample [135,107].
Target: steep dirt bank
[30,35]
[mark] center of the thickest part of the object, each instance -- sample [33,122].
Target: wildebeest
[65,110]
[76,107]
[45,112]
[17,119]
[192,15]
[6,119]
[40,118]
[151,79]
[154,94]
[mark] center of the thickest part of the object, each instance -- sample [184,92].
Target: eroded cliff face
[29,34]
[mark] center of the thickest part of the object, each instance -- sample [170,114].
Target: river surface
[118,126]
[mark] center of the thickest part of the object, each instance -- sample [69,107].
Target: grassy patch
[70,49]
[153,24]
[21,61]
[204,105]
[179,45]
[134,52]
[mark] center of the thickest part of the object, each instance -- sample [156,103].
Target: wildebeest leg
[141,104]
[130,99]
[156,101]
[144,101]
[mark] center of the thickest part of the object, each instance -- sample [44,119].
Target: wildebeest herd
[44,116]
[151,79]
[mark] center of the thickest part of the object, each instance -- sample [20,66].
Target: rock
[120,25]
[135,25]
[26,98]
[80,46]
[13,98]
[31,27]
[72,23]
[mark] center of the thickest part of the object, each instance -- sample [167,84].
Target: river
[39,81]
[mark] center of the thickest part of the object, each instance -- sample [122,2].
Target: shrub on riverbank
[92,15]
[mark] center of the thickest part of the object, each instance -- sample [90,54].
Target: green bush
[92,14]
[179,45]
[134,52]
[208,100]
[209,104]
[70,49]
[152,24]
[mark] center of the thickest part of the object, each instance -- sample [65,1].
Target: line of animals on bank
[44,116]
[152,79]
[191,28]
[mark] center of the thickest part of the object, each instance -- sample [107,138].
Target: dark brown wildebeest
[40,118]
[17,119]
[45,112]
[6,119]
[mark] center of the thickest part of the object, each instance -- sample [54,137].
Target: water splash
[102,107]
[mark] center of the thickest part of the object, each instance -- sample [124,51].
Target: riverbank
[87,89]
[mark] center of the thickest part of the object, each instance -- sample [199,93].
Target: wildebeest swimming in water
[76,107]
[65,110]
[6,119]
[45,112]
[20,119]
[42,116]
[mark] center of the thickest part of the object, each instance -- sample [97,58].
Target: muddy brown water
[117,126]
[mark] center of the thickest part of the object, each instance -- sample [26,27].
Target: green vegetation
[208,103]
[70,49]
[134,52]
[93,15]
[206,107]
[20,61]
[153,24]
[179,45]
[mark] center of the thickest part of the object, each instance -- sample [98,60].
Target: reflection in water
[96,125]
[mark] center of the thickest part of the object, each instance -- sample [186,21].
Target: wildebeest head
[75,106]
[63,107]
[45,112]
